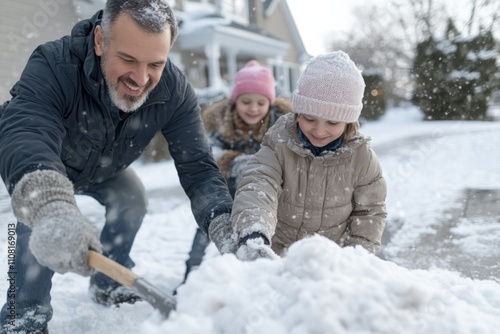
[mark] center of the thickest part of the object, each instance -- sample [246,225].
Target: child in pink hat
[235,128]
[314,173]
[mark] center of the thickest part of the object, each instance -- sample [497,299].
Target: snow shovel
[159,300]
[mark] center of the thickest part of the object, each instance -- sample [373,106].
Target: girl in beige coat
[315,173]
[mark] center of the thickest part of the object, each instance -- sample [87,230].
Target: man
[83,110]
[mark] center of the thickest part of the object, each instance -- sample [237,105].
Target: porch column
[212,52]
[232,65]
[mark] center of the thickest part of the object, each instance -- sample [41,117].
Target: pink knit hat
[331,87]
[254,78]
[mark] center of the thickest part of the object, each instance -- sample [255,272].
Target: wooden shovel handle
[112,269]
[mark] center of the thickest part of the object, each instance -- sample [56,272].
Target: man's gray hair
[154,16]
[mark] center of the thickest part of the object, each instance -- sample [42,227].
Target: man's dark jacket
[60,118]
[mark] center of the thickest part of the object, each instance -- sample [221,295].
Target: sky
[318,287]
[318,19]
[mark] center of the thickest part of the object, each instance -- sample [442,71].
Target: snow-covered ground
[318,287]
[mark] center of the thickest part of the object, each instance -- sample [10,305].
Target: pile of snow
[319,287]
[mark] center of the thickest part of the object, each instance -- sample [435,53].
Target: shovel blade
[158,299]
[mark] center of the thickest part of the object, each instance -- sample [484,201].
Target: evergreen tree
[455,76]
[481,60]
[374,96]
[430,68]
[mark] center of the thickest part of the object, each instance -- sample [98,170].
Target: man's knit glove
[221,233]
[255,246]
[60,237]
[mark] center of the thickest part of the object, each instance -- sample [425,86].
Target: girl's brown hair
[350,130]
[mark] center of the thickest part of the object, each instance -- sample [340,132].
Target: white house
[216,37]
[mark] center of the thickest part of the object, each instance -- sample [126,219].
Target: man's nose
[140,75]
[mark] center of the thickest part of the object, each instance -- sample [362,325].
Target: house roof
[200,27]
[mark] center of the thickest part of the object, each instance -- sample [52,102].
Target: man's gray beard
[122,103]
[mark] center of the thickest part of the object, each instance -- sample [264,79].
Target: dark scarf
[317,151]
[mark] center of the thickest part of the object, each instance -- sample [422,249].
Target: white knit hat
[331,87]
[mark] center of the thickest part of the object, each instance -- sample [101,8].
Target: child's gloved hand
[255,246]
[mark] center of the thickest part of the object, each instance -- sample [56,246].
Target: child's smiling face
[252,107]
[319,131]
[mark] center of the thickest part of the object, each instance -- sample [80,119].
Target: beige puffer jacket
[287,194]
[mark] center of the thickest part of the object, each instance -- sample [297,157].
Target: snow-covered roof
[201,25]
